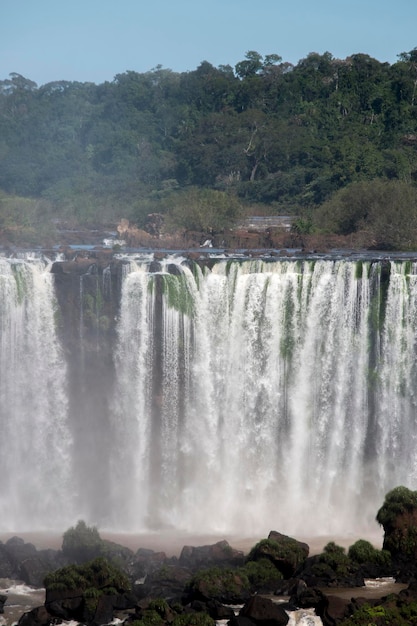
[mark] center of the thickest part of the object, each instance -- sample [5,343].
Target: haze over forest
[331,141]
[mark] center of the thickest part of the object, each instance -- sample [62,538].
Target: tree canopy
[267,132]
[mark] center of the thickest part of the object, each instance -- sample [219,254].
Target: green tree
[385,211]
[202,210]
[82,543]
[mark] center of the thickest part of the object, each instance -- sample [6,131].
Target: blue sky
[93,40]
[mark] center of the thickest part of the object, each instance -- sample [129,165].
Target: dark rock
[33,570]
[335,611]
[59,596]
[21,560]
[154,267]
[67,608]
[219,611]
[174,269]
[279,537]
[124,601]
[198,606]
[264,612]
[7,569]
[305,597]
[331,609]
[318,573]
[286,553]
[104,611]
[166,582]
[225,585]
[398,517]
[36,617]
[147,561]
[240,620]
[220,553]
[166,613]
[18,550]
[63,610]
[356,604]
[3,600]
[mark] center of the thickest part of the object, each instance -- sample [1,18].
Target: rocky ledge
[93,581]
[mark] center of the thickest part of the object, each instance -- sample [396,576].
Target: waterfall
[261,395]
[35,459]
[225,396]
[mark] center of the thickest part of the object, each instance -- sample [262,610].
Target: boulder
[286,553]
[34,569]
[23,561]
[220,553]
[398,517]
[147,561]
[73,605]
[219,611]
[167,581]
[65,604]
[336,610]
[319,571]
[331,609]
[304,597]
[3,600]
[36,617]
[264,612]
[223,584]
[103,613]
[18,550]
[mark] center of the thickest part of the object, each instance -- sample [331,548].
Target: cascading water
[35,459]
[233,396]
[281,395]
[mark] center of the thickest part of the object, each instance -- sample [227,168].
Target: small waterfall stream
[36,453]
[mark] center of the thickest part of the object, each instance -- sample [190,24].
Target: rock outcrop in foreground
[93,581]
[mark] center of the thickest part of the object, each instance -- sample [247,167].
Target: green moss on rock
[398,516]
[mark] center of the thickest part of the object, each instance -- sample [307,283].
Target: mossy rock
[363,552]
[82,543]
[96,576]
[262,574]
[286,553]
[227,585]
[398,517]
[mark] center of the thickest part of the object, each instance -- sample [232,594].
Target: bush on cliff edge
[398,517]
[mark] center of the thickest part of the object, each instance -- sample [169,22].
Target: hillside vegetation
[331,141]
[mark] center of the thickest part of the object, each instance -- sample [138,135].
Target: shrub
[379,615]
[82,543]
[159,605]
[335,557]
[193,619]
[363,551]
[397,501]
[150,617]
[98,575]
[262,573]
[202,209]
[384,210]
[217,582]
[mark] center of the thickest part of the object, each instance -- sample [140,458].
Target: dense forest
[331,141]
